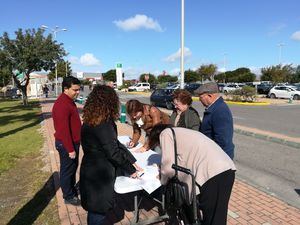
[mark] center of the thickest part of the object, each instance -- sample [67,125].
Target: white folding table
[147,183]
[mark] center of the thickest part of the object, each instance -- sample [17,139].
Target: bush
[246,94]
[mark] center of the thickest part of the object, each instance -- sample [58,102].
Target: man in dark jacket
[67,127]
[217,122]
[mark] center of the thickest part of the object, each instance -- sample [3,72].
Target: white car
[284,91]
[140,87]
[231,87]
[175,86]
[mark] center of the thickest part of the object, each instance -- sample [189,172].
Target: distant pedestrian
[184,115]
[45,90]
[217,122]
[67,127]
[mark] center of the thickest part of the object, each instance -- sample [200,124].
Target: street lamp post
[54,31]
[182,47]
[280,45]
[224,65]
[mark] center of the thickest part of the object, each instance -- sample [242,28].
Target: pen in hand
[141,174]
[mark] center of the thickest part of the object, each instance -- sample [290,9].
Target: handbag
[176,191]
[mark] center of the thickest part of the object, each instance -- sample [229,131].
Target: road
[269,166]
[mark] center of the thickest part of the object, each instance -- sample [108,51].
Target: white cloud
[176,56]
[132,73]
[222,70]
[276,29]
[138,22]
[296,36]
[74,60]
[175,72]
[88,59]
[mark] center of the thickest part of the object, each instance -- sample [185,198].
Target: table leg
[136,209]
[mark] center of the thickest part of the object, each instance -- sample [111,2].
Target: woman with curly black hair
[103,154]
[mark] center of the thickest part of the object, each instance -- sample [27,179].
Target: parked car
[221,86]
[283,91]
[140,87]
[192,87]
[153,86]
[10,92]
[264,88]
[162,98]
[231,87]
[175,86]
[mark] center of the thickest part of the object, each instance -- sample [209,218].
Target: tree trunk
[24,95]
[22,88]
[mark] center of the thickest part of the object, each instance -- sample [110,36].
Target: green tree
[63,68]
[110,75]
[151,80]
[191,76]
[296,76]
[277,74]
[5,76]
[29,51]
[236,76]
[246,77]
[208,71]
[221,77]
[166,78]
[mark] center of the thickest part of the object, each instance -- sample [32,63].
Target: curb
[248,103]
[138,93]
[196,99]
[268,138]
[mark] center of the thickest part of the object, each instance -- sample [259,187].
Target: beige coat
[196,152]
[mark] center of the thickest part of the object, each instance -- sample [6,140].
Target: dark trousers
[68,169]
[214,198]
[95,218]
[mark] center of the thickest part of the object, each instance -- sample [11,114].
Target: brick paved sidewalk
[248,205]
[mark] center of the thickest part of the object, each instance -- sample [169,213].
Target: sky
[145,35]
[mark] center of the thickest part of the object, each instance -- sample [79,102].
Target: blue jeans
[95,218]
[68,169]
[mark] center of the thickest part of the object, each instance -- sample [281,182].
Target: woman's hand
[138,169]
[130,144]
[134,175]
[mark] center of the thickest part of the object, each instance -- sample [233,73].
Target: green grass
[27,194]
[19,133]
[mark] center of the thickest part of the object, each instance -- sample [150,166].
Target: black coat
[103,155]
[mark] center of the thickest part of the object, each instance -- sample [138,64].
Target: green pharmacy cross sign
[19,74]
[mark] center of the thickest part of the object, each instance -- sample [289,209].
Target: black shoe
[73,201]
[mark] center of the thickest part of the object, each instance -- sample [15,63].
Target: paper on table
[125,140]
[149,181]
[148,161]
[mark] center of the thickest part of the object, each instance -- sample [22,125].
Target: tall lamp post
[224,65]
[182,47]
[280,45]
[54,32]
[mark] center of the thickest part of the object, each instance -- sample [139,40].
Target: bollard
[123,114]
[291,99]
